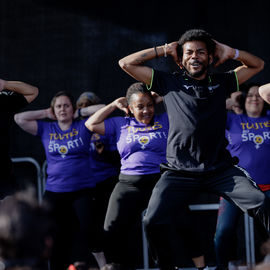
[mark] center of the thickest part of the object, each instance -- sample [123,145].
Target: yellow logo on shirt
[143,141]
[63,150]
[156,126]
[255,125]
[68,135]
[95,137]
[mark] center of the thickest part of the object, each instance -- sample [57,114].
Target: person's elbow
[123,64]
[261,65]
[19,120]
[89,125]
[33,95]
[264,92]
[35,92]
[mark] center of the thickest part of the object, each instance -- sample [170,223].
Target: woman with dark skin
[141,142]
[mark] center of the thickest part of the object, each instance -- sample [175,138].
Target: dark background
[76,45]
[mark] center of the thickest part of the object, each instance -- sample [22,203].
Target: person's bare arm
[229,104]
[95,122]
[264,92]
[28,120]
[28,91]
[87,111]
[251,64]
[133,64]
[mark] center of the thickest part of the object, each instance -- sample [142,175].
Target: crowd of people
[103,171]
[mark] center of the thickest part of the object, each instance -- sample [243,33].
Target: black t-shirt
[197,118]
[10,103]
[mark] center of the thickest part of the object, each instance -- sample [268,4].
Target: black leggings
[124,214]
[129,199]
[174,191]
[74,215]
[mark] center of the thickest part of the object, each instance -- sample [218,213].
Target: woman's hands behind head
[121,104]
[157,97]
[50,114]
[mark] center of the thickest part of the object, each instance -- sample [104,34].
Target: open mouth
[196,64]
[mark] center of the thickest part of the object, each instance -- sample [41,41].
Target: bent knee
[260,198]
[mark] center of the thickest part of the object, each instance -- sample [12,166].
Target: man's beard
[197,74]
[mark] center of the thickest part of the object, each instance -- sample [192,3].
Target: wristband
[165,50]
[236,55]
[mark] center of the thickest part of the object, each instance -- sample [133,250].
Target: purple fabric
[249,140]
[67,154]
[142,148]
[101,165]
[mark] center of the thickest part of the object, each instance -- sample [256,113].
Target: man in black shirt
[14,95]
[198,161]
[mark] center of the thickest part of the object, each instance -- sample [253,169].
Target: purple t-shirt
[249,140]
[67,154]
[104,165]
[141,147]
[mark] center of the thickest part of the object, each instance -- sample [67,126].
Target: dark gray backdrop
[75,45]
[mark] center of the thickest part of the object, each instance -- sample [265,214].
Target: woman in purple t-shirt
[69,185]
[248,134]
[141,142]
[105,166]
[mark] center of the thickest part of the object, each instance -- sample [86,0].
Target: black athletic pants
[174,191]
[74,215]
[128,200]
